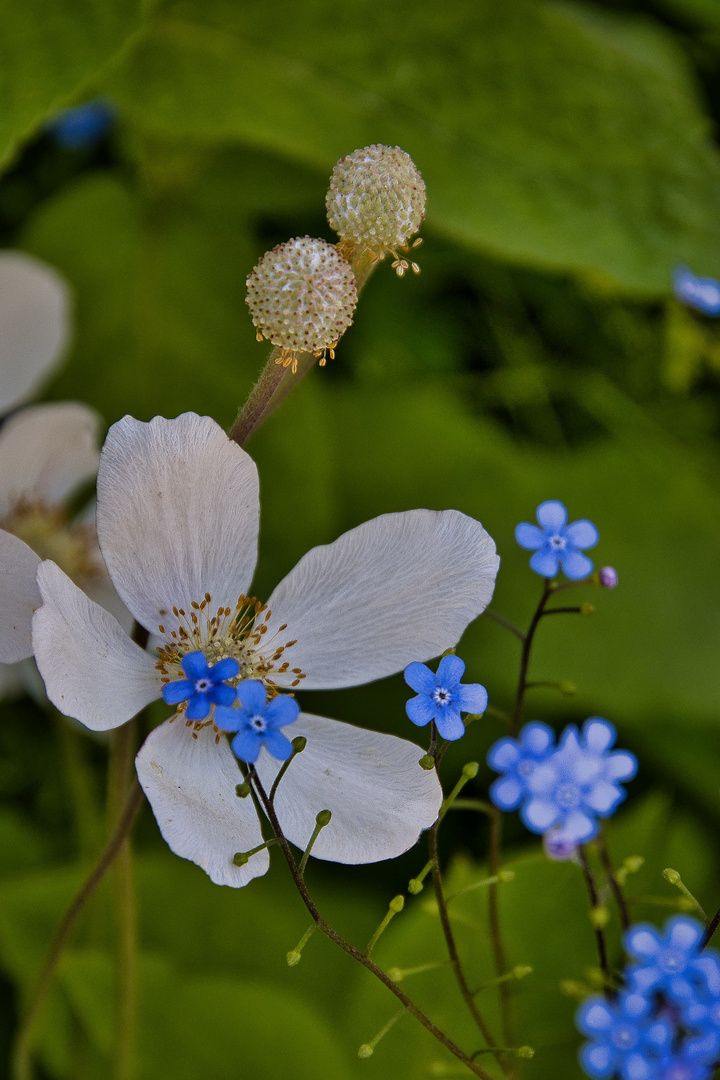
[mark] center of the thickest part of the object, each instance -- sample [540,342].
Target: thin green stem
[502,621]
[525,657]
[599,932]
[613,881]
[321,820]
[351,950]
[21,1054]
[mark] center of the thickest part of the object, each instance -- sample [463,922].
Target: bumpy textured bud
[376,200]
[302,296]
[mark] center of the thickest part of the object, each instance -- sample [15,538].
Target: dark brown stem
[711,928]
[451,944]
[562,611]
[599,932]
[614,883]
[525,658]
[356,954]
[23,1043]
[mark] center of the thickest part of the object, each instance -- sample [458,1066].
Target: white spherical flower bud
[376,200]
[302,296]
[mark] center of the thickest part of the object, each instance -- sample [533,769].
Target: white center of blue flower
[624,1036]
[441,696]
[672,960]
[557,542]
[202,685]
[258,723]
[525,768]
[568,795]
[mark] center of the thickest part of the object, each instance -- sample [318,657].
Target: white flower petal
[46,451]
[35,309]
[177,516]
[19,597]
[399,588]
[91,669]
[191,783]
[380,798]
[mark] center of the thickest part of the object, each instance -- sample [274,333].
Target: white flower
[178,521]
[34,324]
[46,453]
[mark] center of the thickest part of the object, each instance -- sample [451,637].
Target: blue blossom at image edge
[702,294]
[557,544]
[82,126]
[258,721]
[442,697]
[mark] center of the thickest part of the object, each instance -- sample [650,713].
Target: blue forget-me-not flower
[82,126]
[442,697]
[204,685]
[258,721]
[566,789]
[557,544]
[518,759]
[700,293]
[627,1040]
[670,962]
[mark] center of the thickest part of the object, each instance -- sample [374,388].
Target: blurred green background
[571,161]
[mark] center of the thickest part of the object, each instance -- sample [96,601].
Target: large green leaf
[545,133]
[51,51]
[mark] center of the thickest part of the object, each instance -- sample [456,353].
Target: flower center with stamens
[258,723]
[239,632]
[45,529]
[441,696]
[557,542]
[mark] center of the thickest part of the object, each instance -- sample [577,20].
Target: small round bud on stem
[242,790]
[415,886]
[293,958]
[376,201]
[299,743]
[366,1050]
[323,818]
[567,688]
[505,875]
[470,770]
[302,297]
[599,917]
[608,577]
[672,876]
[397,903]
[520,971]
[587,609]
[240,858]
[525,1052]
[427,762]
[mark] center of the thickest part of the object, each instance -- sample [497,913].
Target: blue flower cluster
[563,789]
[665,1024]
[557,544]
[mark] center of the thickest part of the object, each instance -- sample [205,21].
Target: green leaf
[50,53]
[546,134]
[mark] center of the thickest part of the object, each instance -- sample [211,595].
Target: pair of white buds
[302,294]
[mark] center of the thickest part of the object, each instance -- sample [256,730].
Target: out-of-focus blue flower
[442,697]
[258,721]
[685,1064]
[578,783]
[609,577]
[556,543]
[518,759]
[701,1013]
[83,125]
[558,847]
[627,1041]
[700,293]
[204,686]
[670,962]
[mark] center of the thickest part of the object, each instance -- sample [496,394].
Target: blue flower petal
[529,536]
[708,966]
[195,665]
[179,690]
[278,745]
[636,1067]
[599,734]
[545,563]
[703,294]
[684,933]
[621,765]
[537,738]
[552,515]
[281,711]
[643,941]
[598,1062]
[449,724]
[503,755]
[420,710]
[221,694]
[642,979]
[579,827]
[229,719]
[252,696]
[595,1017]
[575,565]
[225,669]
[582,534]
[472,698]
[246,746]
[420,678]
[198,707]
[539,814]
[603,797]
[450,671]
[507,793]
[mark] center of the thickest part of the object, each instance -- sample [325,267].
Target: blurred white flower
[178,516]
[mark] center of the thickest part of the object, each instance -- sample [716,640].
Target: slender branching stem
[452,944]
[21,1060]
[613,882]
[351,950]
[525,657]
[502,621]
[599,932]
[499,957]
